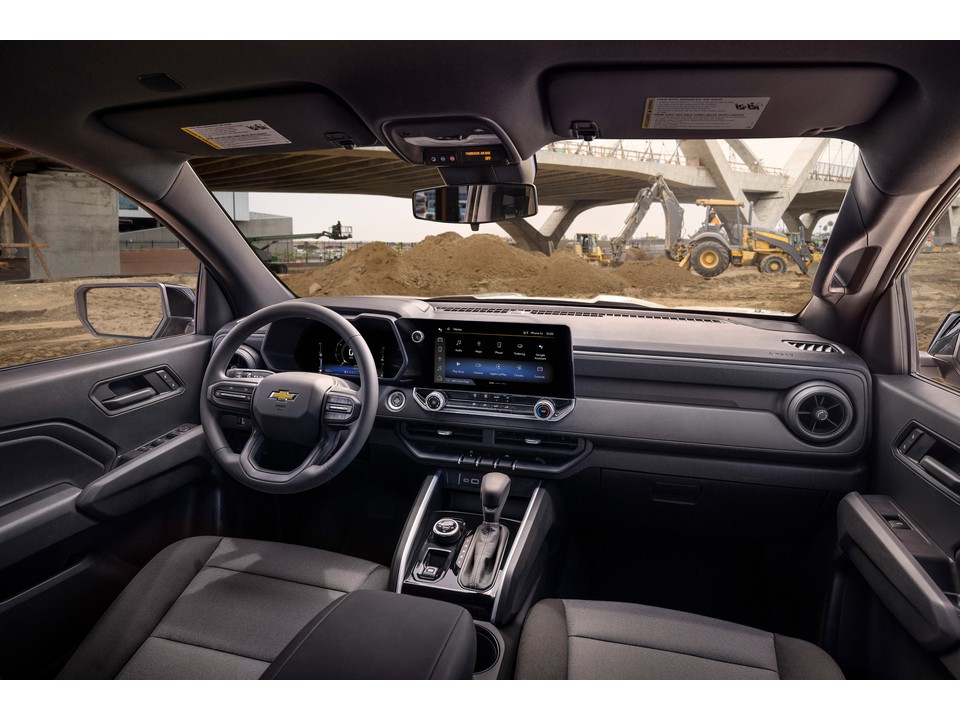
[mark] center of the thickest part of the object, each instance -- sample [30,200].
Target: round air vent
[819,412]
[246,358]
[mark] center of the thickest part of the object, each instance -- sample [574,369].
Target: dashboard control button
[396,400]
[417,336]
[544,409]
[436,400]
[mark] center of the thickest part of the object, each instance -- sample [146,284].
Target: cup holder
[488,651]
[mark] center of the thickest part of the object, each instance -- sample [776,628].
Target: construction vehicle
[716,245]
[659,192]
[261,245]
[587,246]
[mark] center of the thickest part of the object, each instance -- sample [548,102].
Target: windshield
[735,225]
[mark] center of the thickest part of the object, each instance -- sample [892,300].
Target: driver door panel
[57,442]
[89,492]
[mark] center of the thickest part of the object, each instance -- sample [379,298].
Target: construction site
[750,245]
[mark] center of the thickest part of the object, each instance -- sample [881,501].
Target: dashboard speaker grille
[819,412]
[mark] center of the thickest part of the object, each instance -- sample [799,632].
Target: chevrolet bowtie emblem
[283,395]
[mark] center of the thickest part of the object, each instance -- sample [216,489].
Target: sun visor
[274,122]
[696,102]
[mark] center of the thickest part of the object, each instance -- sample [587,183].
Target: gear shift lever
[494,491]
[487,544]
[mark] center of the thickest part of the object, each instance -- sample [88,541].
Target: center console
[482,547]
[478,534]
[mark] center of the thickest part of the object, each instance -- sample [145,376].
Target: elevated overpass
[572,176]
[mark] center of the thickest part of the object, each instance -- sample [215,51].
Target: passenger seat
[585,640]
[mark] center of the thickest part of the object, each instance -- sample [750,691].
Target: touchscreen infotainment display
[531,359]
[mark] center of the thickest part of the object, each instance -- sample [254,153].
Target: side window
[935,286]
[68,240]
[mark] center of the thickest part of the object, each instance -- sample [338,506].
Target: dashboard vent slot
[536,441]
[582,313]
[819,347]
[819,412]
[444,432]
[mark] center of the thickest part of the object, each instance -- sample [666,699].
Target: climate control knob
[435,400]
[544,409]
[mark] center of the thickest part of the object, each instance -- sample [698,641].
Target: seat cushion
[579,639]
[212,607]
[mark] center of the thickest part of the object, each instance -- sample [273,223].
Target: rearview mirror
[475,204]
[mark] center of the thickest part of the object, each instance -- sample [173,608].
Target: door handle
[941,473]
[121,401]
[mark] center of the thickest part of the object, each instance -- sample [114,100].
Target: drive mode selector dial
[446,531]
[544,409]
[436,400]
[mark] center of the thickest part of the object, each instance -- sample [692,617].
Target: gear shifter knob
[494,491]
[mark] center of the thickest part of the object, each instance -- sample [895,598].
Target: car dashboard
[553,390]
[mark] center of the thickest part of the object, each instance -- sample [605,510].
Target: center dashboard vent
[579,313]
[444,433]
[820,347]
[820,412]
[536,441]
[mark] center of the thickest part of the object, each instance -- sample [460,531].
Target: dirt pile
[449,264]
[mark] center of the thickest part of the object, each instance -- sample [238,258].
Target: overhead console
[503,369]
[464,149]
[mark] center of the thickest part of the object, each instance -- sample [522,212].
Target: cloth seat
[216,608]
[579,639]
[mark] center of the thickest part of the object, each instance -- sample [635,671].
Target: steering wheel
[329,417]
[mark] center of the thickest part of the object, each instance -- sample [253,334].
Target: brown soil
[935,284]
[38,321]
[449,264]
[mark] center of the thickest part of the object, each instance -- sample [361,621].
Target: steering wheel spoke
[233,395]
[341,407]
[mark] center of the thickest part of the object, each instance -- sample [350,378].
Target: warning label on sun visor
[699,113]
[229,136]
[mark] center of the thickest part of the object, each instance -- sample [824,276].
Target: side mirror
[944,350]
[136,310]
[945,340]
[475,204]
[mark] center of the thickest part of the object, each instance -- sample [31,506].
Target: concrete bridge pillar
[709,154]
[548,237]
[767,212]
[806,222]
[76,216]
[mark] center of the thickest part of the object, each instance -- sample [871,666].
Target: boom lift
[261,245]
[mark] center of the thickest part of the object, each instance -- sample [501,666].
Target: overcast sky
[391,219]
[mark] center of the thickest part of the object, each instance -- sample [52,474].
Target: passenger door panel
[903,539]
